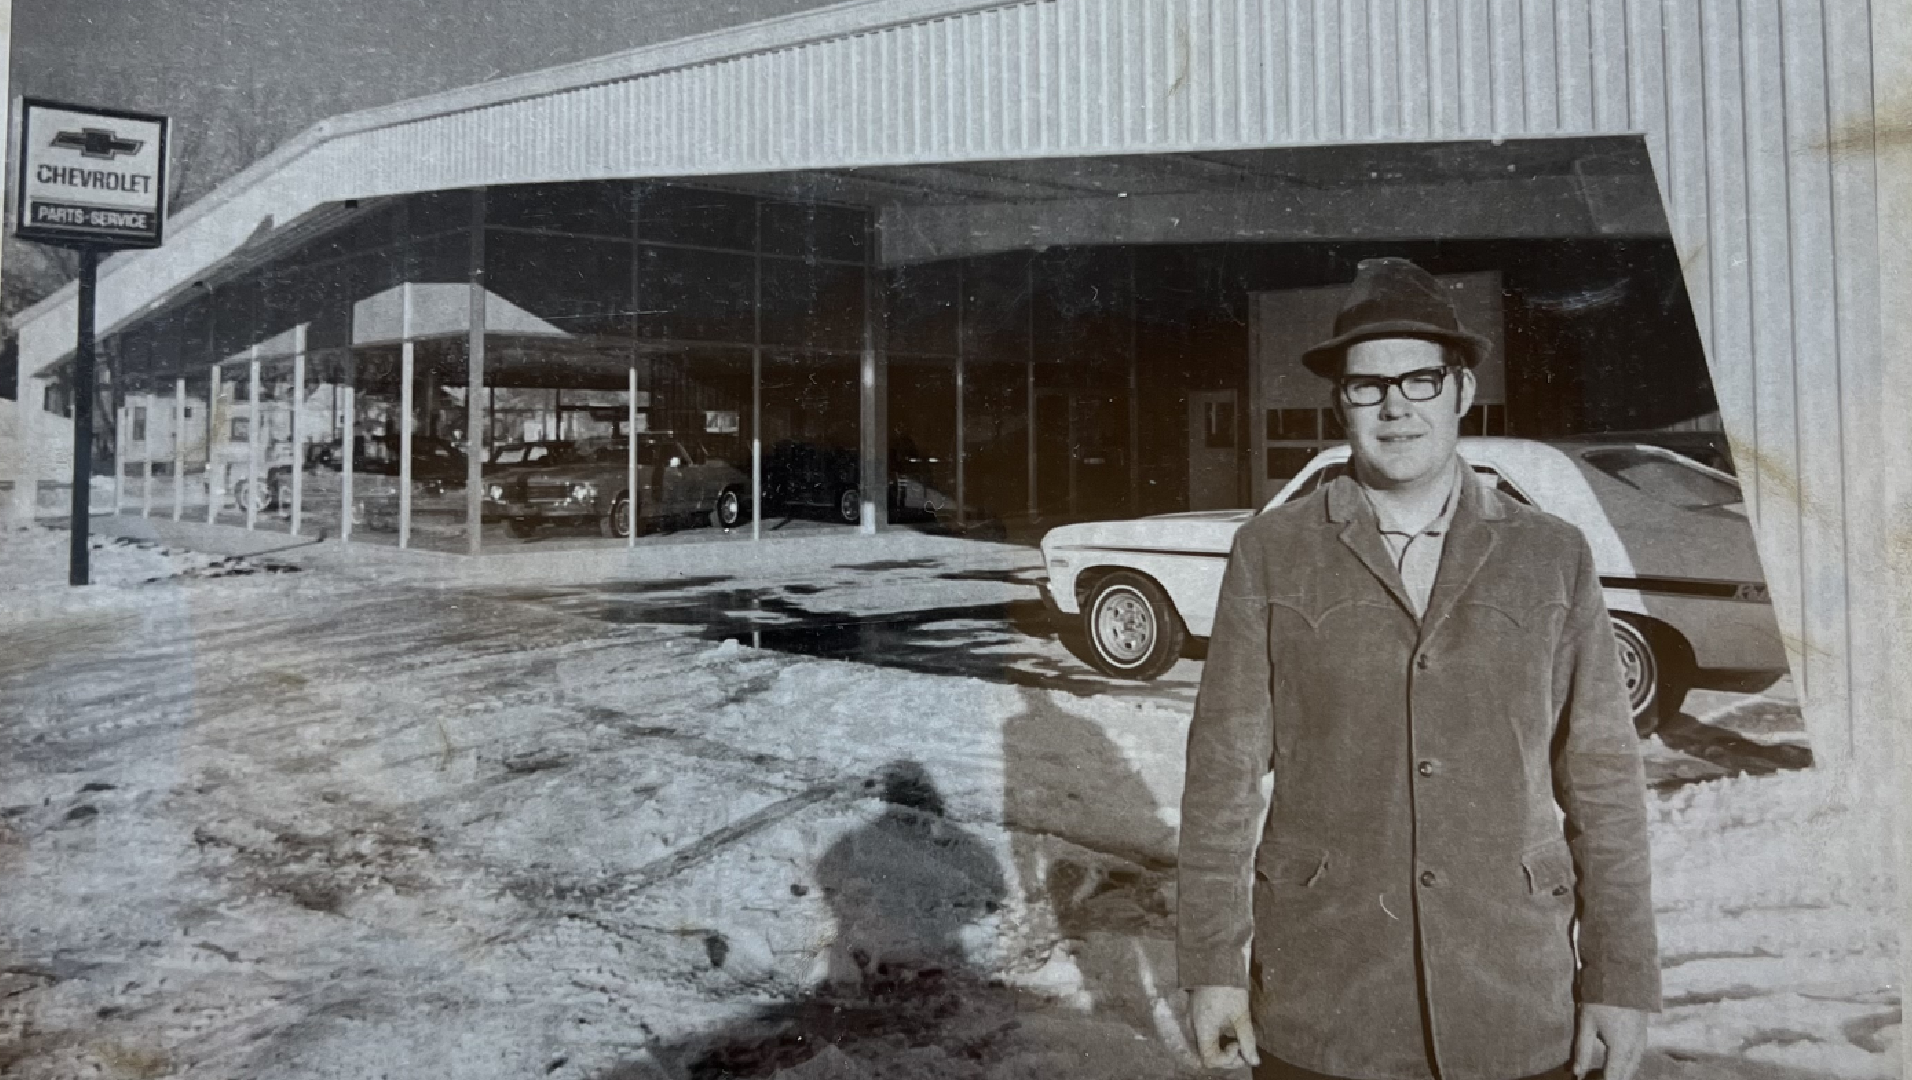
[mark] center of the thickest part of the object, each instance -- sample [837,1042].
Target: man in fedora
[1451,880]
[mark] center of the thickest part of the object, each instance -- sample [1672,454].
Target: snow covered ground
[865,819]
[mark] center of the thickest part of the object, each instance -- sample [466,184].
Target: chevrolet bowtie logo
[97,143]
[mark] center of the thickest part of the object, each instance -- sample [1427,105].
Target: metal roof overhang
[1575,188]
[895,83]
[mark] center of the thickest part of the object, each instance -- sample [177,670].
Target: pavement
[362,817]
[901,599]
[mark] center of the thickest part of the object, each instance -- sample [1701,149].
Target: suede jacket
[1458,799]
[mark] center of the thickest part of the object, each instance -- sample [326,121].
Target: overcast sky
[241,76]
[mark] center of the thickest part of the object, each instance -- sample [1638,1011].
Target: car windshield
[1669,478]
[606,452]
[1327,474]
[526,454]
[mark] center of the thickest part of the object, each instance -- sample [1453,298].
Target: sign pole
[89,179]
[79,570]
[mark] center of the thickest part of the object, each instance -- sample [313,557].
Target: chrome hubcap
[1125,627]
[1636,667]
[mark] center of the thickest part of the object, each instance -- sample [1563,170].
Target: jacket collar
[1470,538]
[1346,502]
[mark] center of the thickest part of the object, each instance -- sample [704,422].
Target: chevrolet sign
[90,177]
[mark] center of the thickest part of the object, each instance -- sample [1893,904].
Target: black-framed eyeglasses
[1421,384]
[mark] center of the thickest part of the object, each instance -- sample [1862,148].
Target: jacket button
[1426,768]
[1420,662]
[1428,878]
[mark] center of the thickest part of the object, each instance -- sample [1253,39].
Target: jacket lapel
[1361,535]
[1470,540]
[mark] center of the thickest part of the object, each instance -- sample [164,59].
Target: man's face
[1398,442]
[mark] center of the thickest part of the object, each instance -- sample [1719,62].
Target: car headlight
[496,493]
[583,492]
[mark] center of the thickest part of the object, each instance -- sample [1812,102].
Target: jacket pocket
[1549,870]
[1291,865]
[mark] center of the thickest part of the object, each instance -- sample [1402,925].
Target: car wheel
[1133,629]
[247,495]
[729,511]
[617,523]
[1651,670]
[521,528]
[849,506]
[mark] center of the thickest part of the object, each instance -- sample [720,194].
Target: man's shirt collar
[1442,521]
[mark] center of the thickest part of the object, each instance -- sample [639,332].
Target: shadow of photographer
[902,889]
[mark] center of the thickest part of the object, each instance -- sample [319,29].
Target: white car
[1670,539]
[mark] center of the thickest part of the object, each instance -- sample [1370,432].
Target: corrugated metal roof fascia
[768,35]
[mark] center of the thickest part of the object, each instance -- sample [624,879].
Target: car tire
[1652,668]
[729,511]
[1133,629]
[849,506]
[620,519]
[245,493]
[521,528]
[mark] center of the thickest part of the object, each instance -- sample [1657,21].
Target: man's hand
[1217,1010]
[1621,1030]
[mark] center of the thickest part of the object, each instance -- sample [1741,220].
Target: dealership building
[1047,260]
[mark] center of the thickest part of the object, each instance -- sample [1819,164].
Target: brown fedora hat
[1392,297]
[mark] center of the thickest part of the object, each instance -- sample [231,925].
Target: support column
[1069,406]
[255,437]
[756,377]
[637,353]
[477,420]
[179,447]
[146,454]
[962,494]
[756,443]
[873,471]
[1135,403]
[1029,291]
[299,434]
[407,356]
[348,409]
[215,482]
[630,460]
[119,451]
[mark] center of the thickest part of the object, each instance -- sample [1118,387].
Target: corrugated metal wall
[1758,114]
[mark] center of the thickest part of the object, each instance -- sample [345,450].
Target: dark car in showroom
[677,480]
[825,478]
[438,477]
[434,460]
